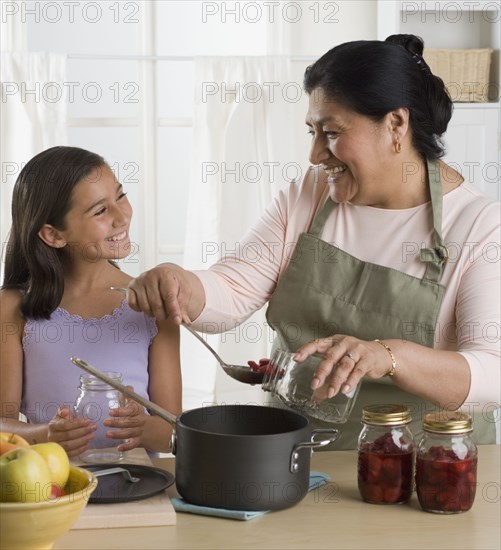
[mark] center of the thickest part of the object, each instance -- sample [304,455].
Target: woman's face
[355,152]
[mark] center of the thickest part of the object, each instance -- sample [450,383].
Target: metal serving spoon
[242,373]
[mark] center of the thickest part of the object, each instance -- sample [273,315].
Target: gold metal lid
[388,415]
[447,422]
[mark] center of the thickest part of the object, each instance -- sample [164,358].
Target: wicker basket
[464,72]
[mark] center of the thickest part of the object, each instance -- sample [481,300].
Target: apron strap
[437,256]
[321,216]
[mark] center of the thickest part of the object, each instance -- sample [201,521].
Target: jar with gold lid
[446,463]
[385,455]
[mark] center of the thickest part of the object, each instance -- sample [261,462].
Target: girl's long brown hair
[42,195]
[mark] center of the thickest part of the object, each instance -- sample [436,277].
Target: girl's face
[97,224]
[352,149]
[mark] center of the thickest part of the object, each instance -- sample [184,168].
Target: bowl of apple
[41,494]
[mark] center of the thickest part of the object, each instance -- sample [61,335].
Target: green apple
[24,476]
[57,461]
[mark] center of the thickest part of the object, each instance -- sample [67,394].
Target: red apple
[56,492]
[10,441]
[24,476]
[57,460]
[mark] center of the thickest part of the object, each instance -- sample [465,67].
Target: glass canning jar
[385,455]
[94,402]
[290,382]
[446,463]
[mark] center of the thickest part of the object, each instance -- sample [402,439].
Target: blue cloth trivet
[317,479]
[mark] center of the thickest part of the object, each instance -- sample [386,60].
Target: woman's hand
[71,432]
[167,292]
[129,422]
[346,360]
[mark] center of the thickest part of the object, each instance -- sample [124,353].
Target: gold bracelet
[393,367]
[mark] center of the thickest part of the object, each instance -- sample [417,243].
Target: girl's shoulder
[10,306]
[10,297]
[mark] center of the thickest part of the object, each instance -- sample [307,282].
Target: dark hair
[42,195]
[373,78]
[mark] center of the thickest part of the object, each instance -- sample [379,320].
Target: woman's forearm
[197,299]
[439,376]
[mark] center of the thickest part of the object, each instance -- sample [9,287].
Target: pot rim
[285,412]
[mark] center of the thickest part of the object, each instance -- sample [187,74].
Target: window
[129,95]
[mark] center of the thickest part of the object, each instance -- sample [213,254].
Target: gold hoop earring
[398,147]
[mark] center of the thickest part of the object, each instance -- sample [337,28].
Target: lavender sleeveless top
[117,342]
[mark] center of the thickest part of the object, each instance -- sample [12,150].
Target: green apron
[326,291]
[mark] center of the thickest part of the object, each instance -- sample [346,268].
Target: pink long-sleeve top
[469,320]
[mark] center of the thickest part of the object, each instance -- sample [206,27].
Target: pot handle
[312,445]
[173,442]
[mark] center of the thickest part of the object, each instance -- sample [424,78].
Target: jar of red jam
[385,455]
[446,463]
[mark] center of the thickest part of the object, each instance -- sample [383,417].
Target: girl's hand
[130,421]
[346,360]
[71,432]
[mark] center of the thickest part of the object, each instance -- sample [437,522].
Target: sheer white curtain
[245,110]
[33,114]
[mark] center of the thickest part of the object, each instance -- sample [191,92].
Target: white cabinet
[472,144]
[473,138]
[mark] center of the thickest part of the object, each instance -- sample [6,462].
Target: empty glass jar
[94,402]
[290,382]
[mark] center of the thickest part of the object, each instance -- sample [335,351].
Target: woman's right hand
[71,432]
[167,292]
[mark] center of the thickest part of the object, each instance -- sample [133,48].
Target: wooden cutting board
[156,510]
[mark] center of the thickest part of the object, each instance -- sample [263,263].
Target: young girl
[71,219]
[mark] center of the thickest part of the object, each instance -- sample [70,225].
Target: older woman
[372,284]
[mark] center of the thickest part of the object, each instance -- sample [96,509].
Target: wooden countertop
[332,516]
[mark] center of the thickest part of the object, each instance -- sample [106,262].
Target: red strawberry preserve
[446,463]
[385,455]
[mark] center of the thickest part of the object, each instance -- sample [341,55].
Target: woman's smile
[334,171]
[340,185]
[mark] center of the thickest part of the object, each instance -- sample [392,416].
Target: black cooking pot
[238,457]
[244,457]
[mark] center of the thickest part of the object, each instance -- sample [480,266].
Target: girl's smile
[118,237]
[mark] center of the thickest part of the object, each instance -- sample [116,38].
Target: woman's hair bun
[412,43]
